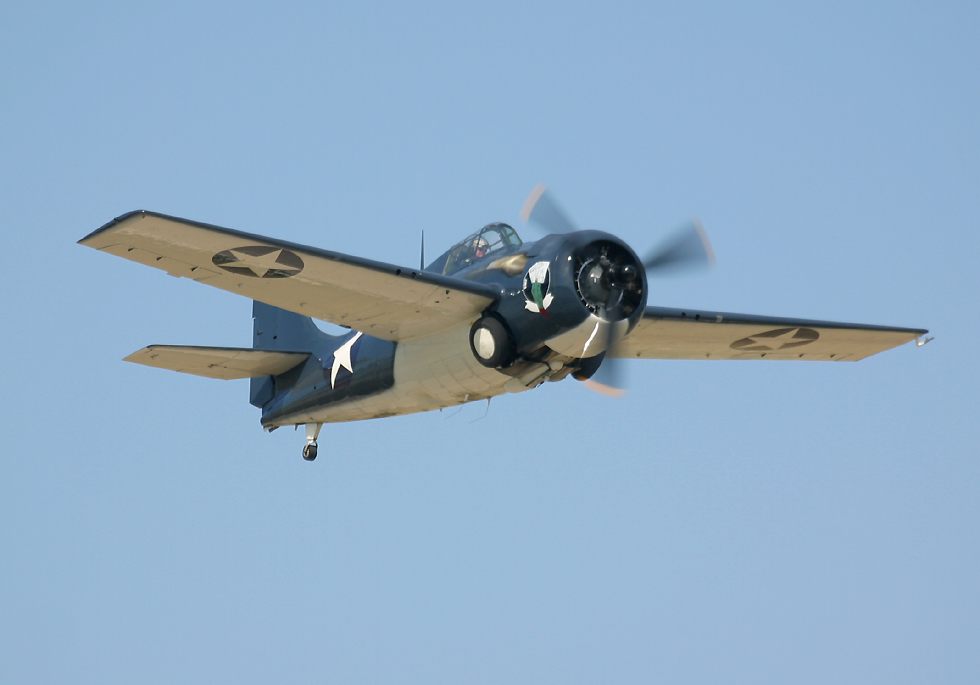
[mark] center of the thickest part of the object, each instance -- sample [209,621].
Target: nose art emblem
[537,288]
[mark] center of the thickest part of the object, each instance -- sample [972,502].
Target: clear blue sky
[726,522]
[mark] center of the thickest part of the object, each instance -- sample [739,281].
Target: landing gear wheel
[491,343]
[312,433]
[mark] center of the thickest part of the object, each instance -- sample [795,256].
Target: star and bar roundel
[776,339]
[259,261]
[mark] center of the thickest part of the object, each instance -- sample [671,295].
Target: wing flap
[223,363]
[383,300]
[158,261]
[665,333]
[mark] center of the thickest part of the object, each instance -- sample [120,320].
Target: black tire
[491,343]
[309,452]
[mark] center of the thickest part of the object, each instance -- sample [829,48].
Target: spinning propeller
[686,249]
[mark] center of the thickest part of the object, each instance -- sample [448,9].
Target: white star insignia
[341,358]
[774,342]
[259,265]
[792,337]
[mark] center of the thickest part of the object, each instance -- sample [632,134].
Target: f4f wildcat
[492,315]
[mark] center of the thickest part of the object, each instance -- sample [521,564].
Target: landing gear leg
[312,433]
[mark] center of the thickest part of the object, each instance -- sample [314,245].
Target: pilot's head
[480,248]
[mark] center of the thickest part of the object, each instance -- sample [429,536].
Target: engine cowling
[610,284]
[609,280]
[577,293]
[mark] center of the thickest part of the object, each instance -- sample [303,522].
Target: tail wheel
[491,343]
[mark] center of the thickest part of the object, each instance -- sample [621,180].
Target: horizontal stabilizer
[224,363]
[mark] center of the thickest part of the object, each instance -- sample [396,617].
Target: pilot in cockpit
[480,247]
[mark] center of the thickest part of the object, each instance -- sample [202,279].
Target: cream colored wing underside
[687,334]
[225,363]
[383,300]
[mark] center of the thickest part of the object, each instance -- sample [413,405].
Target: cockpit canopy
[473,248]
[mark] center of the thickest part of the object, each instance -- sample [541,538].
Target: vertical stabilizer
[278,329]
[281,330]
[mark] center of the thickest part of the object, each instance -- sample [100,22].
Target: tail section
[276,329]
[282,343]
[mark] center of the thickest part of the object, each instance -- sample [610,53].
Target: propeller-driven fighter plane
[491,315]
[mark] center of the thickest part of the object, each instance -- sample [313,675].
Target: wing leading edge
[665,333]
[384,300]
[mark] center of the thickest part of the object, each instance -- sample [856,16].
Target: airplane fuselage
[397,378]
[357,376]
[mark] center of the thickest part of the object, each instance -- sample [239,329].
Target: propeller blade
[610,378]
[541,209]
[595,384]
[688,248]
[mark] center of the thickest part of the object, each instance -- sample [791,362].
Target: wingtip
[924,339]
[117,220]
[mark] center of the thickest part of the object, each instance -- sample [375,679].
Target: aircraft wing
[665,333]
[383,300]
